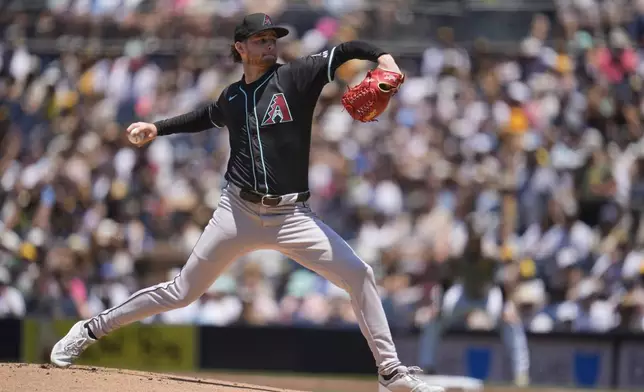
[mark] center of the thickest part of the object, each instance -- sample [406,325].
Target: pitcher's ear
[235,54]
[240,48]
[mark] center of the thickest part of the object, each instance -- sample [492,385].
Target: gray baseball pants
[238,227]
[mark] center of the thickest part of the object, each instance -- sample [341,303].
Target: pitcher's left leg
[316,246]
[319,248]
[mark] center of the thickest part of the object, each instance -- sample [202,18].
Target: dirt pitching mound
[18,377]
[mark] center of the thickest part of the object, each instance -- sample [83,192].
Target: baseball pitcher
[268,114]
[475,290]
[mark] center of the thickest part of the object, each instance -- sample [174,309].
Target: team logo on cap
[267,21]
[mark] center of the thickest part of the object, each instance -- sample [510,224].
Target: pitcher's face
[259,49]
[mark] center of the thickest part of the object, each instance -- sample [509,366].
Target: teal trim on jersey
[250,142]
[328,68]
[210,118]
[259,138]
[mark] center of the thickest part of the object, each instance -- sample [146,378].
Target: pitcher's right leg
[196,276]
[217,247]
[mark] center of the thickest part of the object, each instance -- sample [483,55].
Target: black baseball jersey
[269,120]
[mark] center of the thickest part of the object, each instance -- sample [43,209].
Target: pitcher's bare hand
[141,133]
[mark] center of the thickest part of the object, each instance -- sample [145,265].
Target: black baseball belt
[273,200]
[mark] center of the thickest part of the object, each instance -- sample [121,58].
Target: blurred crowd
[535,152]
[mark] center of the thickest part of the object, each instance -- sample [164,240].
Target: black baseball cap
[255,23]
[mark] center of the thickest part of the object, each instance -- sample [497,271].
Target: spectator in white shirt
[219,305]
[12,304]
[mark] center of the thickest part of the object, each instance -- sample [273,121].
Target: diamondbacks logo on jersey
[278,111]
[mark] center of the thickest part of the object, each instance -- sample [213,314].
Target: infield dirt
[17,377]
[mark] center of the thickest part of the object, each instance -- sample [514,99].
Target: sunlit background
[519,125]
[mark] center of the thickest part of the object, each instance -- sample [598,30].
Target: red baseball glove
[370,98]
